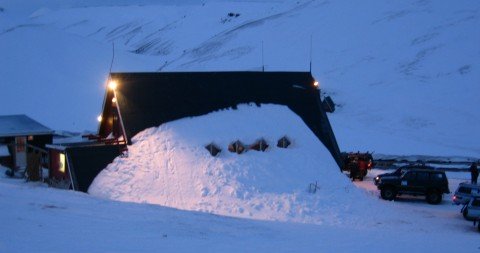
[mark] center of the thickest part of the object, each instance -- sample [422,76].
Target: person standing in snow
[362,167]
[474,172]
[354,169]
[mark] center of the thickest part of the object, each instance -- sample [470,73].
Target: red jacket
[362,165]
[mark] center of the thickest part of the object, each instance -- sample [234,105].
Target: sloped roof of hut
[21,125]
[147,100]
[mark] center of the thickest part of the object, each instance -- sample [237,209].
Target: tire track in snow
[206,50]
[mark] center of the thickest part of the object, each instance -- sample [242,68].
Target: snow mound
[169,166]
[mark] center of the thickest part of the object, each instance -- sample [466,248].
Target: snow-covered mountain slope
[170,166]
[405,75]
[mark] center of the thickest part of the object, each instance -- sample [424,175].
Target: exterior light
[316,84]
[112,85]
[99,118]
[61,163]
[114,100]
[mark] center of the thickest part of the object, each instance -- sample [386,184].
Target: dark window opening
[465,190]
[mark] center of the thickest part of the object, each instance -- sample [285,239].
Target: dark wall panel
[86,162]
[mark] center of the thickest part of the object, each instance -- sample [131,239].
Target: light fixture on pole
[112,85]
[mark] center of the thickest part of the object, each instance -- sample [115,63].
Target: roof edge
[28,133]
[210,72]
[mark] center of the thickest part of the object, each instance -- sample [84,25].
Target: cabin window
[236,147]
[283,142]
[61,163]
[213,149]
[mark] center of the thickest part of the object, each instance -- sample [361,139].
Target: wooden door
[21,152]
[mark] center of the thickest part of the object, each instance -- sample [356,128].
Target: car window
[465,190]
[422,175]
[476,202]
[408,175]
[436,176]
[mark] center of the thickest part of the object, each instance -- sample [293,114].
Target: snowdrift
[169,166]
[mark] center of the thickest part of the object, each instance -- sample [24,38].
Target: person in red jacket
[362,166]
[354,169]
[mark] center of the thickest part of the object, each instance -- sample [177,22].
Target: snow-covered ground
[169,166]
[40,219]
[405,75]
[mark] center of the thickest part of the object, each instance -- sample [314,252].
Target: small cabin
[22,144]
[75,165]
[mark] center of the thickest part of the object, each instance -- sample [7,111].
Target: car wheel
[465,213]
[388,193]
[434,197]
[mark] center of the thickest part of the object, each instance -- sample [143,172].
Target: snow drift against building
[170,166]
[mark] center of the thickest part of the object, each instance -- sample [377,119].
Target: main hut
[136,101]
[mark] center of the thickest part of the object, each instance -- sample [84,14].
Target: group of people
[358,168]
[474,172]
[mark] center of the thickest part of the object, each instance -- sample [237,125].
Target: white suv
[471,211]
[464,193]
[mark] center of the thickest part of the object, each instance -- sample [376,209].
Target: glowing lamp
[114,100]
[112,85]
[316,84]
[99,118]
[61,163]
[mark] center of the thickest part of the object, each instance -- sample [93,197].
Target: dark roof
[21,125]
[151,99]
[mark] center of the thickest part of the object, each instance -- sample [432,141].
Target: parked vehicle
[402,169]
[464,193]
[471,211]
[357,164]
[431,183]
[476,222]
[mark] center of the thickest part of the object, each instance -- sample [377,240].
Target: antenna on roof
[113,57]
[108,81]
[311,48]
[263,64]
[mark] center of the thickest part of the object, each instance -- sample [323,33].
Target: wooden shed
[22,144]
[75,165]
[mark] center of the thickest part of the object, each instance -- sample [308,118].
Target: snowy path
[446,214]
